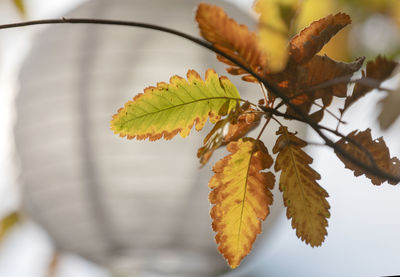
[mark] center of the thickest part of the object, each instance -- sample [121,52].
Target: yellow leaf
[8,222]
[303,197]
[241,196]
[232,38]
[378,152]
[173,108]
[274,30]
[19,4]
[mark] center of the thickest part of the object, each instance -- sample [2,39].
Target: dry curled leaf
[303,197]
[376,72]
[232,38]
[310,41]
[246,122]
[379,155]
[241,196]
[235,126]
[169,109]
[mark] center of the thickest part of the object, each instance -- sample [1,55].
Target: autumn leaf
[303,197]
[310,41]
[274,29]
[379,153]
[235,126]
[213,140]
[232,38]
[173,108]
[310,77]
[8,222]
[245,123]
[376,72]
[20,5]
[241,196]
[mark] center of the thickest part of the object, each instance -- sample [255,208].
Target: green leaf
[173,108]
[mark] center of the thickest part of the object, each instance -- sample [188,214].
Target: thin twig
[263,128]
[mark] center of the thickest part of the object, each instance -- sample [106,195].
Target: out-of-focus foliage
[8,222]
[352,41]
[20,5]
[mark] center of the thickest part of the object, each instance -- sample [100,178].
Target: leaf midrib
[244,198]
[179,105]
[298,176]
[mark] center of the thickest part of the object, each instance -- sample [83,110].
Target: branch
[271,87]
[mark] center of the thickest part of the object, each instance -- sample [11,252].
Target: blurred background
[83,202]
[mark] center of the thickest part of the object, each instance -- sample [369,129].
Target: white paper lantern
[136,205]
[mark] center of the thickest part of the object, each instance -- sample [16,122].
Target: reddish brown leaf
[310,78]
[311,40]
[232,38]
[245,123]
[378,152]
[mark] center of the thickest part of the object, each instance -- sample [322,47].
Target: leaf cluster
[297,83]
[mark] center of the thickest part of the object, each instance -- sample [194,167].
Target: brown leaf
[241,196]
[232,38]
[303,197]
[377,70]
[235,126]
[246,122]
[310,77]
[378,152]
[311,40]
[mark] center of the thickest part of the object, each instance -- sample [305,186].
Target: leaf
[303,197]
[20,5]
[246,122]
[313,74]
[232,38]
[173,108]
[274,30]
[8,222]
[310,41]
[212,141]
[378,70]
[241,196]
[235,126]
[378,152]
